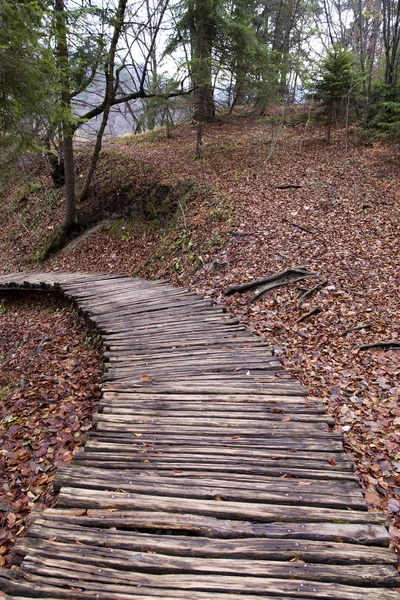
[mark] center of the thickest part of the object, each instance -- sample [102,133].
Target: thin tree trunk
[67,131]
[203,43]
[109,96]
[362,53]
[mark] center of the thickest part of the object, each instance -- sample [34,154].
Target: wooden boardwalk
[209,474]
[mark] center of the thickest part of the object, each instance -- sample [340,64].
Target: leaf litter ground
[50,367]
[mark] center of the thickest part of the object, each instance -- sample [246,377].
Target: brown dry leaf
[144,377]
[11,518]
[373,499]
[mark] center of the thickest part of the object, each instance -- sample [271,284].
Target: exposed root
[357,328]
[290,274]
[272,286]
[310,313]
[307,294]
[390,344]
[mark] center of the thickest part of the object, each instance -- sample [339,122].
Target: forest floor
[50,366]
[262,199]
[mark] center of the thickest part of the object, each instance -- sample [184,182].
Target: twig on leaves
[183,215]
[288,186]
[307,294]
[37,350]
[389,344]
[310,313]
[357,328]
[298,226]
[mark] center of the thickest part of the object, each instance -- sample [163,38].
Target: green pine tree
[334,85]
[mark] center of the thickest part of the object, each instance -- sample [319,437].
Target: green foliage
[336,85]
[384,118]
[158,110]
[336,76]
[26,75]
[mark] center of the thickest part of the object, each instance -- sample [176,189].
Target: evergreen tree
[334,85]
[26,75]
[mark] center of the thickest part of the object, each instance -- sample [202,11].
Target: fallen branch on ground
[384,344]
[291,273]
[288,186]
[357,328]
[307,294]
[298,226]
[314,311]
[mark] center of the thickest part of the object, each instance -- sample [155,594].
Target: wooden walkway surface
[209,474]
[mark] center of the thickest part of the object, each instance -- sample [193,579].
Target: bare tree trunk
[202,54]
[67,130]
[111,88]
[362,52]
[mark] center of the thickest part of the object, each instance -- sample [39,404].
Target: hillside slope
[255,205]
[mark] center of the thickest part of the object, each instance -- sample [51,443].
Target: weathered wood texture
[209,474]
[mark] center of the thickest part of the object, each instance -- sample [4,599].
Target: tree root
[289,275]
[306,294]
[390,344]
[272,286]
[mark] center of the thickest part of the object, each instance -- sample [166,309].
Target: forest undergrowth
[266,197]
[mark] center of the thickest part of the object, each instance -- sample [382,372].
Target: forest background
[211,143]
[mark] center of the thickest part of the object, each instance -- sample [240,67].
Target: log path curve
[209,474]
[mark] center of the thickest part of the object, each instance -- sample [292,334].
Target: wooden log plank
[264,416]
[210,583]
[80,474]
[185,387]
[291,443]
[265,513]
[249,549]
[129,445]
[175,488]
[116,527]
[231,428]
[60,587]
[215,398]
[193,464]
[139,562]
[285,424]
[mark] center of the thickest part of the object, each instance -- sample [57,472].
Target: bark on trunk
[109,97]
[67,130]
